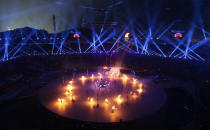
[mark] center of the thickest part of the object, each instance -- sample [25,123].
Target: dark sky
[38,13]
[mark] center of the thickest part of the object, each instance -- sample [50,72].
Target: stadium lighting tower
[54,23]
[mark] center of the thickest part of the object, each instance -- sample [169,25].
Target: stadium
[105,65]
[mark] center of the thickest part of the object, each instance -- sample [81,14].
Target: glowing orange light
[134,81]
[131,93]
[125,77]
[114,72]
[70,82]
[83,78]
[134,95]
[113,109]
[71,97]
[106,100]
[90,100]
[127,35]
[100,75]
[76,35]
[111,77]
[140,85]
[92,77]
[61,100]
[178,35]
[105,68]
[69,87]
[67,93]
[119,100]
[140,90]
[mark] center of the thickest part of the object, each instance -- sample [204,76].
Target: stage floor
[132,107]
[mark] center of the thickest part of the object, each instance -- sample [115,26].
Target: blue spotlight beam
[144,50]
[101,44]
[158,48]
[123,45]
[6,51]
[118,39]
[188,42]
[179,44]
[63,41]
[174,45]
[24,41]
[105,40]
[190,50]
[197,45]
[96,38]
[166,30]
[53,45]
[78,42]
[70,49]
[42,49]
[136,42]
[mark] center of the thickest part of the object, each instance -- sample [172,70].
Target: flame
[83,78]
[67,93]
[71,97]
[113,109]
[100,75]
[140,85]
[106,100]
[105,67]
[71,82]
[134,81]
[125,77]
[140,90]
[119,100]
[69,87]
[61,100]
[92,77]
[91,100]
[127,35]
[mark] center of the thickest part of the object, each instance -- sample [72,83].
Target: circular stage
[104,97]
